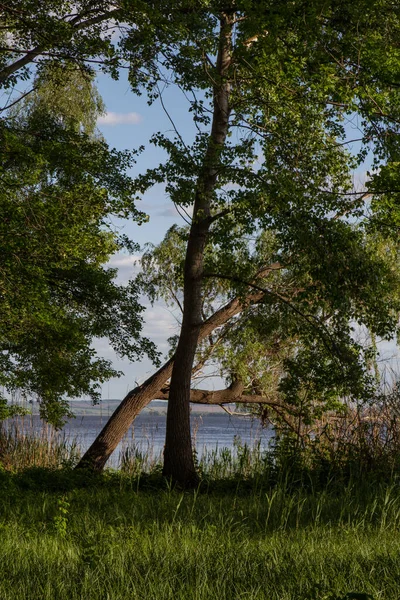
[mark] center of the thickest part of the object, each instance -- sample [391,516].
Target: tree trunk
[118,424]
[178,455]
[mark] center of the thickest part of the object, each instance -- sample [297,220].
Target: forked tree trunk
[118,424]
[178,454]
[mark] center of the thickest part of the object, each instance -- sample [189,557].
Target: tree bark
[178,455]
[118,424]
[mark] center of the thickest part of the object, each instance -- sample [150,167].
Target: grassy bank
[73,536]
[68,535]
[288,525]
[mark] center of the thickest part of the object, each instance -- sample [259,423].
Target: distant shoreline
[105,408]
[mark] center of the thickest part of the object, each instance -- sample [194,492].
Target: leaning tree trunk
[118,424]
[178,455]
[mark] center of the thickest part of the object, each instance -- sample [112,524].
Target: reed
[23,446]
[343,451]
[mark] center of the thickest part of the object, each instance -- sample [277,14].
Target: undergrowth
[291,524]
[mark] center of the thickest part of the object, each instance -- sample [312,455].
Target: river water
[214,430]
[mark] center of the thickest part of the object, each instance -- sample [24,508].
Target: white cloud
[169,211]
[112,118]
[174,211]
[119,261]
[160,324]
[128,266]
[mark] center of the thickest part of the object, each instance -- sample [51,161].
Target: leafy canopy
[60,183]
[302,78]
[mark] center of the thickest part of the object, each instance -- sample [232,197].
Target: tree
[287,365]
[50,161]
[282,79]
[34,33]
[59,185]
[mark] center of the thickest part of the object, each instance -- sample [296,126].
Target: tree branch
[38,50]
[231,395]
[310,319]
[7,107]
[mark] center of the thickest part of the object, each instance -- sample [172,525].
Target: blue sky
[128,124]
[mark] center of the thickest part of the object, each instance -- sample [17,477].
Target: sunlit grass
[274,526]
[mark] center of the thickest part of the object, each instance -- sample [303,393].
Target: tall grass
[118,540]
[343,450]
[22,446]
[302,522]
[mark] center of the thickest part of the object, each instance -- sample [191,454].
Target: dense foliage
[276,93]
[60,183]
[299,79]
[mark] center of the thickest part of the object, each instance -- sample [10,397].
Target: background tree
[290,362]
[60,183]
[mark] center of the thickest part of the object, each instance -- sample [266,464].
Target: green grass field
[64,535]
[285,525]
